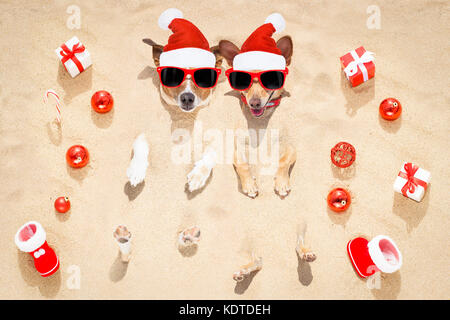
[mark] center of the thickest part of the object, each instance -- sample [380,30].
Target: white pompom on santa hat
[260,51]
[187,46]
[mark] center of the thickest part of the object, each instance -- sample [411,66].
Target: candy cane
[58,105]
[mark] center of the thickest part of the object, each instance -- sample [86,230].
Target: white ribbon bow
[352,67]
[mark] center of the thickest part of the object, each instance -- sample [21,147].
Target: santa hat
[187,46]
[260,51]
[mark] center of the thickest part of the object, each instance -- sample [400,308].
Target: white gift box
[74,56]
[412,181]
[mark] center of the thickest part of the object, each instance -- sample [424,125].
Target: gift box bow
[352,68]
[68,54]
[412,182]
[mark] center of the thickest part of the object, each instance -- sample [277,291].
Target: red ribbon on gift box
[68,54]
[412,182]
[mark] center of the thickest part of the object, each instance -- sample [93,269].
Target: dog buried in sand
[258,74]
[188,72]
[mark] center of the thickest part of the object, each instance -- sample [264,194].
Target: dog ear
[157,50]
[219,57]
[286,46]
[228,50]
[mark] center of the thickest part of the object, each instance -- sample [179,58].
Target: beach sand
[412,65]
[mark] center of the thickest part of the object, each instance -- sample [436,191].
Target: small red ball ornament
[62,204]
[343,154]
[102,101]
[390,109]
[339,199]
[77,156]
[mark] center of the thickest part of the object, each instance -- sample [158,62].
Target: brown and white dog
[188,50]
[261,53]
[188,96]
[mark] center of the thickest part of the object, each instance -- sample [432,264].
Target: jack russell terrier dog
[188,71]
[258,74]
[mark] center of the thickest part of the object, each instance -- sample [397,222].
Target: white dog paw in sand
[189,237]
[202,170]
[123,238]
[303,251]
[245,271]
[138,165]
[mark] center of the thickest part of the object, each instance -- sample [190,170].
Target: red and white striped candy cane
[58,104]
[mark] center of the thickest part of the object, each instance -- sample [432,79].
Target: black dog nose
[187,99]
[255,103]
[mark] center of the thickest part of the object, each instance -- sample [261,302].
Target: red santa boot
[381,254]
[31,238]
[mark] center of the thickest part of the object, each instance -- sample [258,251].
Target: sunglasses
[173,77]
[270,79]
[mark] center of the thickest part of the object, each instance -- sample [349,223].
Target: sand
[412,65]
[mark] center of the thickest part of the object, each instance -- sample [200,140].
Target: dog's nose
[255,103]
[187,99]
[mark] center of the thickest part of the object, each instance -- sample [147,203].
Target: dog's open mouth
[257,112]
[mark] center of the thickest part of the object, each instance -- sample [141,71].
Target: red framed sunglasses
[269,79]
[173,77]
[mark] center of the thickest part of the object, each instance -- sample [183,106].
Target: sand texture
[412,65]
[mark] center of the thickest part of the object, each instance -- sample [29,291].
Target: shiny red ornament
[102,101]
[390,109]
[343,154]
[62,204]
[339,199]
[77,156]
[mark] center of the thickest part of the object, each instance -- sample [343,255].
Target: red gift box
[358,66]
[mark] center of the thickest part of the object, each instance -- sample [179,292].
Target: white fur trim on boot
[166,18]
[385,254]
[277,21]
[30,236]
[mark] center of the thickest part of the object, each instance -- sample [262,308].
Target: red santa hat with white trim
[187,46]
[260,51]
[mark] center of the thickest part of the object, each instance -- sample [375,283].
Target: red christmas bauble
[62,204]
[390,109]
[339,199]
[343,154]
[102,101]
[77,156]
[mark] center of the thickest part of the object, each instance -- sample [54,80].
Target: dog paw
[250,188]
[202,170]
[136,171]
[138,165]
[282,185]
[309,256]
[198,176]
